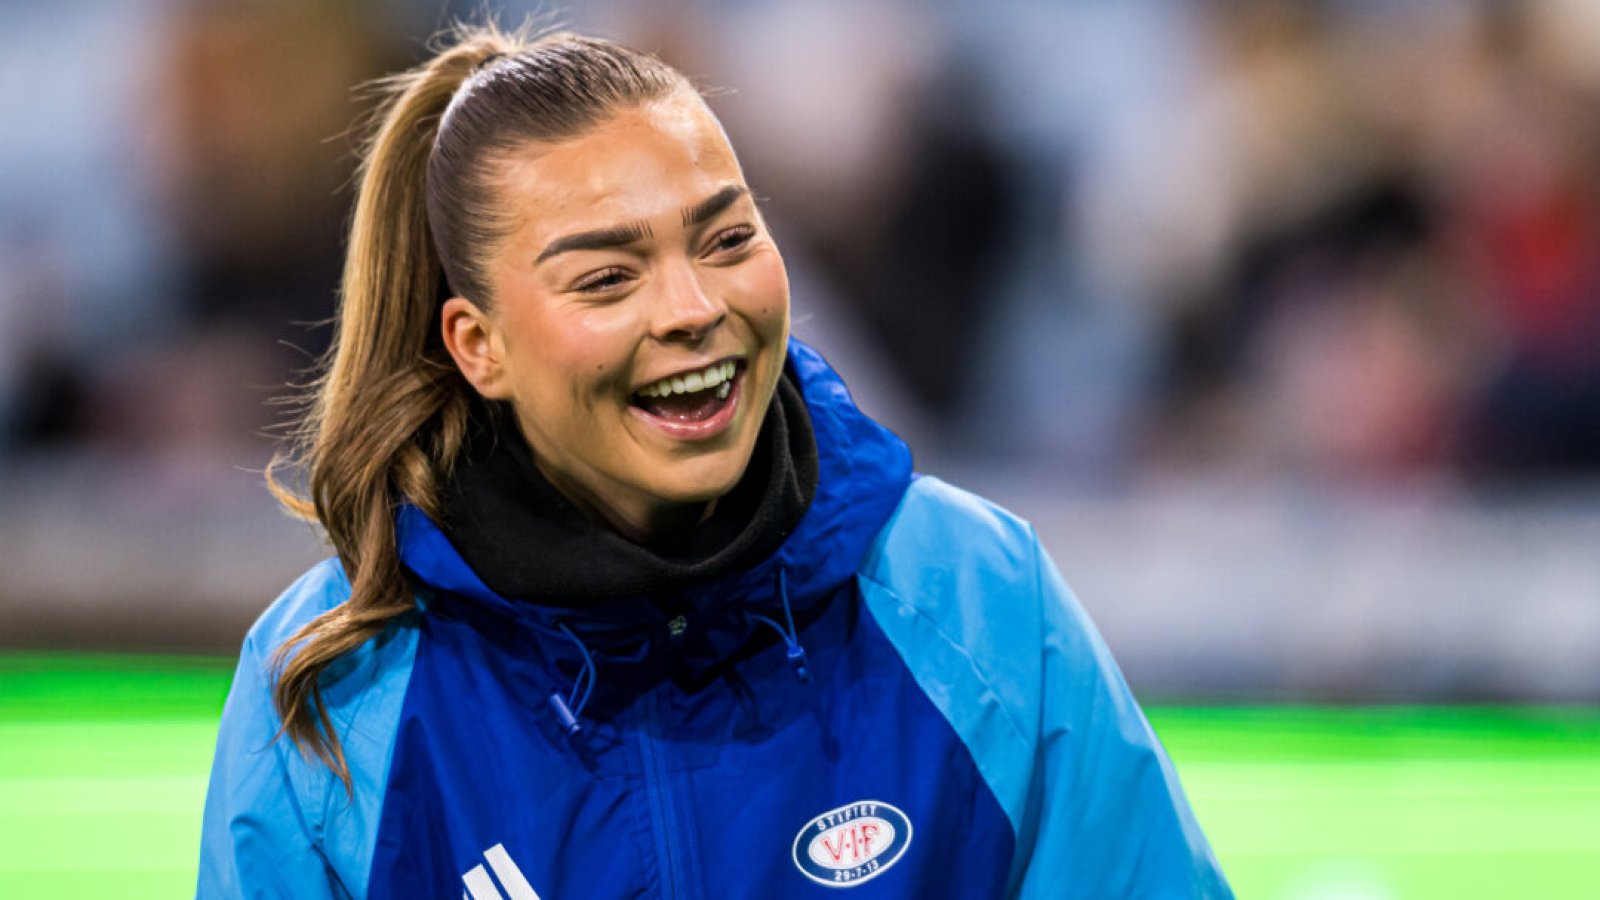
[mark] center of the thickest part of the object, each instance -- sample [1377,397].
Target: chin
[701,480]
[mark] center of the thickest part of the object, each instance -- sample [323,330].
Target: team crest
[852,844]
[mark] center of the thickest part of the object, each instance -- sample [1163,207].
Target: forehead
[640,164]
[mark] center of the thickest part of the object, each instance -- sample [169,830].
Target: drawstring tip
[582,687]
[790,634]
[569,722]
[797,660]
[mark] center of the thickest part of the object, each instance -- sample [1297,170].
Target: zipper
[658,788]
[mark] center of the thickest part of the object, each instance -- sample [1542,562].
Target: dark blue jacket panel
[675,789]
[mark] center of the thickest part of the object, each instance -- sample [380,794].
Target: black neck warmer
[528,542]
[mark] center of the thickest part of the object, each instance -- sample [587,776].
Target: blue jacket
[905,700]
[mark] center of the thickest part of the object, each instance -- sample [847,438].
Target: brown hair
[384,420]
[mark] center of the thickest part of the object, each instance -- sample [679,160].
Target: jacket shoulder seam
[978,669]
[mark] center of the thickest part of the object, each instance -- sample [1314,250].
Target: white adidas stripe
[510,876]
[481,887]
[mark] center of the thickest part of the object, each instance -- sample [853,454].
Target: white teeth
[718,376]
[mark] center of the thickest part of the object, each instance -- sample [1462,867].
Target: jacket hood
[862,472]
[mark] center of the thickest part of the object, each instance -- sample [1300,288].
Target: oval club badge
[852,844]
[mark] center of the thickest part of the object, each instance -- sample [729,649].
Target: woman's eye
[603,280]
[732,239]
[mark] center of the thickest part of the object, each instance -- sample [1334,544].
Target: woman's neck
[646,522]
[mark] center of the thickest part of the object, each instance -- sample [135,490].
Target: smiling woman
[645,273]
[630,600]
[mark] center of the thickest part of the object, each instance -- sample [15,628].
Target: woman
[630,600]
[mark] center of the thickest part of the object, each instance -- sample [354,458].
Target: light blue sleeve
[278,824]
[1110,810]
[996,640]
[255,839]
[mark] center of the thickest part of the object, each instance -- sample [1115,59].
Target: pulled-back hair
[384,420]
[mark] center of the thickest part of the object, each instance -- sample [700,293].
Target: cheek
[568,359]
[762,285]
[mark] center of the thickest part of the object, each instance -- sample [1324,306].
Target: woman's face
[640,314]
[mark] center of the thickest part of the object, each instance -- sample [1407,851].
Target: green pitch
[103,764]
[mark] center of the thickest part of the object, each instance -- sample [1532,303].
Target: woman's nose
[686,311]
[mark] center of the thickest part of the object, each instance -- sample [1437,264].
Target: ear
[471,338]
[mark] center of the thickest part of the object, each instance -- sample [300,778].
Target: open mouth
[690,397]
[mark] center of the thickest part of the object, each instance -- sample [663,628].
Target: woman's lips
[694,416]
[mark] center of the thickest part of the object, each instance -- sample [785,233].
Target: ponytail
[383,423]
[385,420]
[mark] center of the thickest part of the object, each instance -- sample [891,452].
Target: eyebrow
[599,239]
[711,206]
[623,235]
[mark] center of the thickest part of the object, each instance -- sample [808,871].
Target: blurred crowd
[1329,240]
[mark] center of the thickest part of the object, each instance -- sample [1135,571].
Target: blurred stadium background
[1281,320]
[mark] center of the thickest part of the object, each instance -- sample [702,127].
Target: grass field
[103,765]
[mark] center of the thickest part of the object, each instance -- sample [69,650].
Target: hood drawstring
[791,637]
[569,708]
